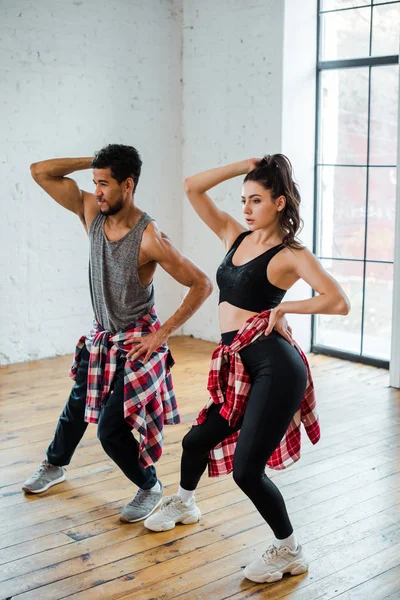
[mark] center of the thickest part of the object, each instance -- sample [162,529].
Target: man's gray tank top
[119,298]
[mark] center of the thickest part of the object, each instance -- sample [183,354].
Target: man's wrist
[166,330]
[88,161]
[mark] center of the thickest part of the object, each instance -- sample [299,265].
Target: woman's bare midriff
[231,318]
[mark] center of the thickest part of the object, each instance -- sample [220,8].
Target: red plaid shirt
[149,399]
[229,384]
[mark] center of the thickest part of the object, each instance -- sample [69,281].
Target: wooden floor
[343,497]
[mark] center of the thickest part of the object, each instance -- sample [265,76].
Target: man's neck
[127,217]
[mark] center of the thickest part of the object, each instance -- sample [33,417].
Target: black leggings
[278,381]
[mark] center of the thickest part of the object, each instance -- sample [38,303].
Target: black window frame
[369,62]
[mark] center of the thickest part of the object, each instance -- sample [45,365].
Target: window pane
[345,34]
[384,106]
[343,332]
[344,116]
[342,201]
[381,213]
[386,29]
[333,4]
[378,311]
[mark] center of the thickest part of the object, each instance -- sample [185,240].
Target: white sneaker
[173,510]
[274,563]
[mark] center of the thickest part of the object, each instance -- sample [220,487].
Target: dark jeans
[278,381]
[113,431]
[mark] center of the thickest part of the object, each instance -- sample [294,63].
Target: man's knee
[74,410]
[104,433]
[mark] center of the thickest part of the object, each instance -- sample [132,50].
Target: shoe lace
[167,502]
[270,553]
[43,467]
[137,498]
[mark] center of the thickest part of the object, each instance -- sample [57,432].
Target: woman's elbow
[187,185]
[344,306]
[192,187]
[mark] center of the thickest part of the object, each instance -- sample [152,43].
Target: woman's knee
[189,441]
[240,476]
[245,475]
[194,441]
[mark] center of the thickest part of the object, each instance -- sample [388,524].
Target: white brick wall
[232,97]
[79,74]
[75,76]
[249,90]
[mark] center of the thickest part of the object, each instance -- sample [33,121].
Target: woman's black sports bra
[247,286]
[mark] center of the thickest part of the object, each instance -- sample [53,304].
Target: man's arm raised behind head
[51,176]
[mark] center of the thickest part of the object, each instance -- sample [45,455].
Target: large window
[356,155]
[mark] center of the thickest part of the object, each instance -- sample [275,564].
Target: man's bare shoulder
[153,234]
[155,243]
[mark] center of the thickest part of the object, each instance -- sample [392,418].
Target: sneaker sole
[295,568]
[46,487]
[126,520]
[168,525]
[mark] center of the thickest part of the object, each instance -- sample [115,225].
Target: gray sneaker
[141,505]
[46,476]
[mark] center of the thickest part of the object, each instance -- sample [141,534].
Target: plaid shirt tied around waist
[149,399]
[229,385]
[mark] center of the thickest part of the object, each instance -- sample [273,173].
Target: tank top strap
[269,255]
[136,234]
[144,220]
[237,242]
[94,225]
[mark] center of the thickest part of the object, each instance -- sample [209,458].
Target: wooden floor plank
[330,544]
[375,588]
[343,497]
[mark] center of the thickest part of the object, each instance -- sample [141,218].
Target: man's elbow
[36,171]
[207,285]
[204,284]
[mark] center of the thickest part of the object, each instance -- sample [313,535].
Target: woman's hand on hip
[278,321]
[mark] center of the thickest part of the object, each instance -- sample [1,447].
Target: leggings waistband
[228,337]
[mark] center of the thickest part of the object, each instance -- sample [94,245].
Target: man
[121,369]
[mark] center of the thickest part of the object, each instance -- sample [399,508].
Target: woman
[259,380]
